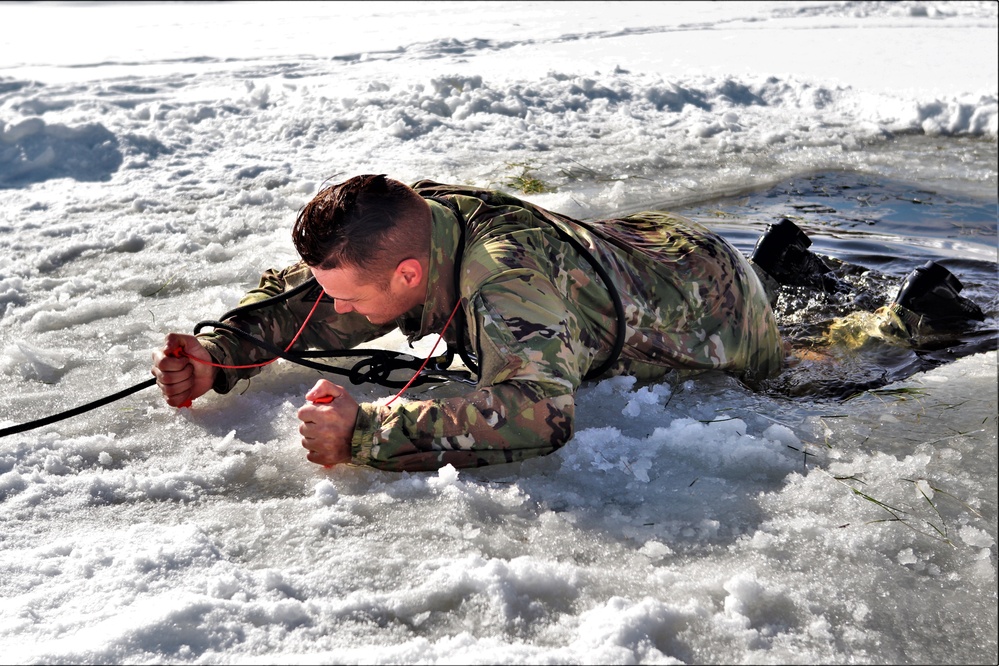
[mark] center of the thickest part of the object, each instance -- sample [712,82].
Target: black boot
[931,291]
[782,251]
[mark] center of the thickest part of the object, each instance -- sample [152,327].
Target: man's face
[381,301]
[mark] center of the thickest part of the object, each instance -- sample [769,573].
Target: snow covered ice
[152,159]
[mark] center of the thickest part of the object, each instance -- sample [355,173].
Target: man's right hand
[180,379]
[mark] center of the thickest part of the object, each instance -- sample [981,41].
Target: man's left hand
[328,423]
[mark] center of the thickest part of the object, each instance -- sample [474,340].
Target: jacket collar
[445,236]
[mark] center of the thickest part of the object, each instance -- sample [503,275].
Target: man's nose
[341,307]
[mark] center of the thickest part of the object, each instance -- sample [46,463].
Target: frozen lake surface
[152,159]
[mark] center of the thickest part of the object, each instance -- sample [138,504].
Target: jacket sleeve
[278,323]
[523,407]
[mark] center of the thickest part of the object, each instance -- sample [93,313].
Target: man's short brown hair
[369,223]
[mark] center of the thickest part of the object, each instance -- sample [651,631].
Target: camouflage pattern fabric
[278,324]
[538,318]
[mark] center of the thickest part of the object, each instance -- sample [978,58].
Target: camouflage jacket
[538,318]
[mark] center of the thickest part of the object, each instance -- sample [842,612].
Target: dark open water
[888,227]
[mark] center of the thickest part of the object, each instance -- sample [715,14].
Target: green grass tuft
[525,182]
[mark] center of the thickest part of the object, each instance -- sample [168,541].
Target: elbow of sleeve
[531,430]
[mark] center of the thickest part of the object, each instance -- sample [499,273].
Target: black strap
[621,330]
[461,323]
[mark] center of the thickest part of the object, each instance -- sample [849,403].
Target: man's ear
[409,273]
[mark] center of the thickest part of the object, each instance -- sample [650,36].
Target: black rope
[31,425]
[375,365]
[309,287]
[381,362]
